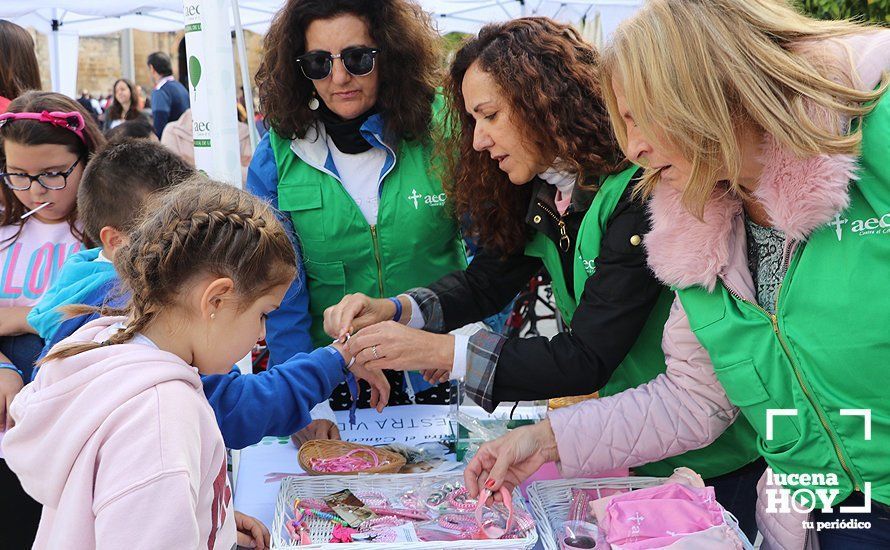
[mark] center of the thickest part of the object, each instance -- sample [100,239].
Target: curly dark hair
[408,63]
[549,75]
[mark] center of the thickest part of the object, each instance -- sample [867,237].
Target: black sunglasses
[358,61]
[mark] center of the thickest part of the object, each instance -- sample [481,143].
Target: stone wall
[99,61]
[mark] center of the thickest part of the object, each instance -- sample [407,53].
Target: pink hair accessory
[460,499]
[460,523]
[376,523]
[372,498]
[72,120]
[346,463]
[400,512]
[486,530]
[342,534]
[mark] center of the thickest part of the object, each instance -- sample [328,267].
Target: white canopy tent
[64,21]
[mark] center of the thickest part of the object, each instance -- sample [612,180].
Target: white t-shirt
[360,174]
[31,263]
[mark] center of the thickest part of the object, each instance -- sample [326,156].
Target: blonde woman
[766,137]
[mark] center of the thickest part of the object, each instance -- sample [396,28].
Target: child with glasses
[47,140]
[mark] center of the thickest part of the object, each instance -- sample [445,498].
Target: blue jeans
[876,536]
[22,351]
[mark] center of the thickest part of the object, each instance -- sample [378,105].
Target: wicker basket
[329,448]
[550,502]
[320,530]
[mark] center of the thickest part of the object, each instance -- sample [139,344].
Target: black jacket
[615,305]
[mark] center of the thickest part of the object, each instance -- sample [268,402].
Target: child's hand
[379,385]
[317,429]
[10,385]
[251,532]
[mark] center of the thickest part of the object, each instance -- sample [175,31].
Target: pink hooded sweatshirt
[122,449]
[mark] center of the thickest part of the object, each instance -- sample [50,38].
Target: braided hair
[200,227]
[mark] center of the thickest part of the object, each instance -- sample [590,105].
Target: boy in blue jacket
[113,191]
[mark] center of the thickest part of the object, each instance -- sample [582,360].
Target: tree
[876,11]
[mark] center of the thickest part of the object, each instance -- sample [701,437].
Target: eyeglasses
[52,181]
[358,61]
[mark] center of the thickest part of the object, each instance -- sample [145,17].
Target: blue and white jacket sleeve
[275,402]
[287,328]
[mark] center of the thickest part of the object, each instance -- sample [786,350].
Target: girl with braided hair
[115,436]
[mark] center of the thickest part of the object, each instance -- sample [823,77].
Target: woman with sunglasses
[46,140]
[348,87]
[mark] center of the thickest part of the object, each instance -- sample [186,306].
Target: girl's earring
[213,316]
[313,102]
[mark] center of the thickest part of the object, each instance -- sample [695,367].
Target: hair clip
[72,120]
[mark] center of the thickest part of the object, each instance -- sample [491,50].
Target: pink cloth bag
[637,520]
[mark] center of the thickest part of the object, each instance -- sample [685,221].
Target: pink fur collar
[799,195]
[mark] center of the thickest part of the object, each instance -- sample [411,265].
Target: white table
[409,424]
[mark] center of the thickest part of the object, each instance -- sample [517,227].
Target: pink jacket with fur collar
[686,408]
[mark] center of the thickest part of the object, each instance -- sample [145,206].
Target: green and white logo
[192,13]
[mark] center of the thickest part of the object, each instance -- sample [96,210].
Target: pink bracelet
[346,463]
[457,522]
[372,498]
[460,499]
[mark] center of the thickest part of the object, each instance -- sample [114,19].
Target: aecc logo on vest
[860,228]
[429,200]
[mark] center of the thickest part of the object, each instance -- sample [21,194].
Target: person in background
[19,71]
[124,105]
[169,99]
[139,128]
[178,136]
[87,104]
[143,104]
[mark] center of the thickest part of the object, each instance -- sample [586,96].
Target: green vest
[827,348]
[735,447]
[416,240]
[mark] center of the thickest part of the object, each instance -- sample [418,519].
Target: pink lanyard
[491,531]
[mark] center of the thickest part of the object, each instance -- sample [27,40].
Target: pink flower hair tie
[342,534]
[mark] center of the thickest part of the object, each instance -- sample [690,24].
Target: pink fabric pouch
[663,512]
